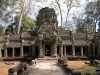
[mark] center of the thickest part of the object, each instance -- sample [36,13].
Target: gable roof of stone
[78,35]
[90,36]
[29,34]
[14,37]
[63,32]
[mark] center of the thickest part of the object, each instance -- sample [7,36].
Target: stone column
[40,48]
[61,50]
[65,50]
[73,50]
[55,49]
[5,52]
[21,51]
[82,51]
[13,52]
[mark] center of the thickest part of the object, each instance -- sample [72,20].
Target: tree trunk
[21,16]
[60,12]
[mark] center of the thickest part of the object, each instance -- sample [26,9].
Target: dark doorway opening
[17,52]
[69,50]
[2,51]
[85,49]
[9,51]
[36,51]
[47,50]
[26,51]
[58,49]
[78,51]
[96,51]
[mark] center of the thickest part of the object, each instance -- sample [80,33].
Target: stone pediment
[47,32]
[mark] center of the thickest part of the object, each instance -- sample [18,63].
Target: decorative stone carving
[47,25]
[46,15]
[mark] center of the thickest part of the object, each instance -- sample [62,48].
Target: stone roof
[81,43]
[90,36]
[63,32]
[29,34]
[79,35]
[14,37]
[65,37]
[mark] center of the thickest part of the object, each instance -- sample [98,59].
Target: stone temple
[47,39]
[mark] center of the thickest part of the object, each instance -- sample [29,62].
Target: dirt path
[47,68]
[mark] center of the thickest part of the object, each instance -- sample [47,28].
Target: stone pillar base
[41,56]
[54,55]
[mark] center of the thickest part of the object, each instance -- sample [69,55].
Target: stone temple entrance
[47,50]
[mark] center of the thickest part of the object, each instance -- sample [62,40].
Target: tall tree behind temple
[27,25]
[69,4]
[25,6]
[98,8]
[93,12]
[4,4]
[1,30]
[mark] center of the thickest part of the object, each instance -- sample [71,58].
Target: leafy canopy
[27,23]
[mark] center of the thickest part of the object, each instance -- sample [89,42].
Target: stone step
[47,59]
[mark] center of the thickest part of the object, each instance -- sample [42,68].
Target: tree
[25,6]
[79,23]
[10,30]
[93,12]
[1,30]
[27,23]
[69,4]
[4,8]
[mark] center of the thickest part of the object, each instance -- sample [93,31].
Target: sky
[78,11]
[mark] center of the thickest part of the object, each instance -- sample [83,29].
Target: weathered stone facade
[47,39]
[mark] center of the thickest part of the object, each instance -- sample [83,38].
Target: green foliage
[27,23]
[1,29]
[93,12]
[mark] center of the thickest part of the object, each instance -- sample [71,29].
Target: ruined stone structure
[47,39]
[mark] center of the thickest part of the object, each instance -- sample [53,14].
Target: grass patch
[88,69]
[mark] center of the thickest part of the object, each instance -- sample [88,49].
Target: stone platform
[46,68]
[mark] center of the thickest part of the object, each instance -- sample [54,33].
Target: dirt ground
[81,66]
[4,66]
[76,65]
